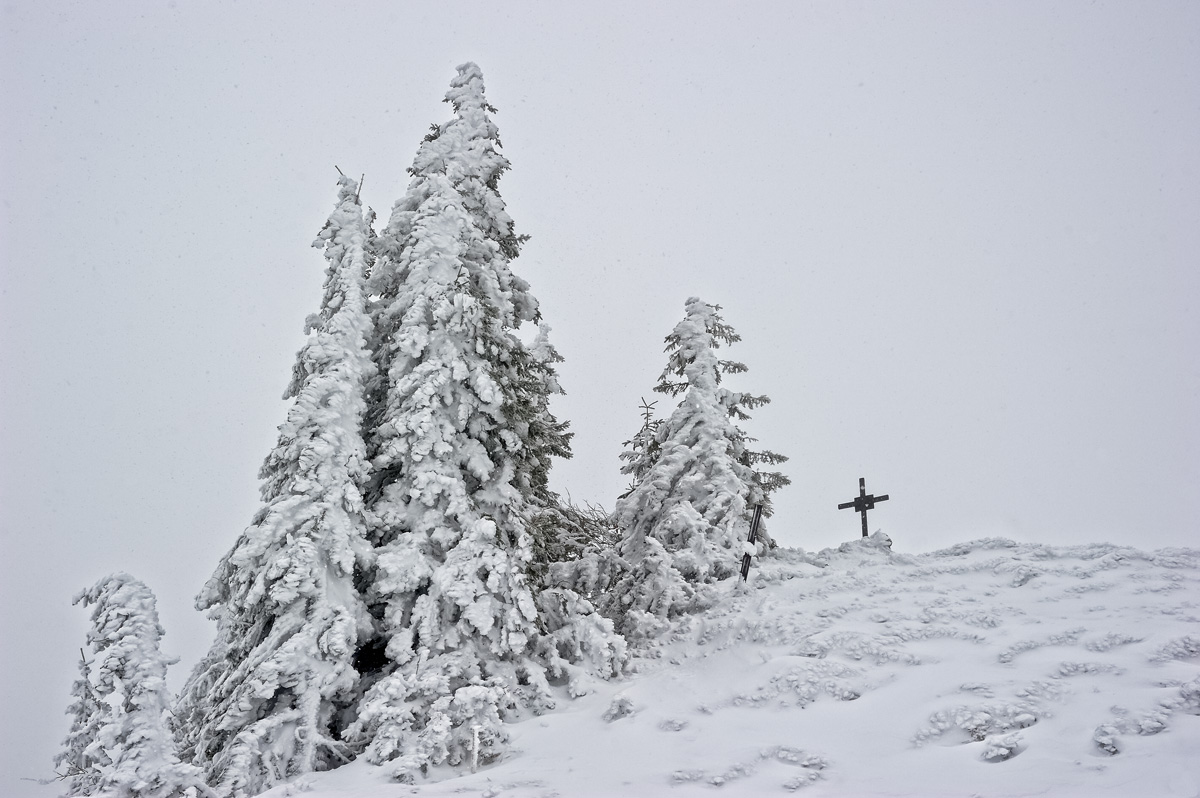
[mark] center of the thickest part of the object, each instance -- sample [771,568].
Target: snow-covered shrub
[1110,641]
[808,769]
[1067,638]
[877,541]
[1106,739]
[1182,648]
[577,644]
[571,545]
[979,722]
[1002,748]
[619,708]
[1189,697]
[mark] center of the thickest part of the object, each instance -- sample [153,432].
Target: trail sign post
[864,502]
[751,540]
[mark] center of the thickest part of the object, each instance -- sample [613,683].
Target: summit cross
[864,502]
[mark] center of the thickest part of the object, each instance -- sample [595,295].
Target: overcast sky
[959,241]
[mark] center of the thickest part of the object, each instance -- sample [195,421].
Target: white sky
[959,240]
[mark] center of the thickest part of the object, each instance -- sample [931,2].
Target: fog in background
[959,241]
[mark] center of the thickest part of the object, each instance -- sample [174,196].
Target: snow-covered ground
[990,668]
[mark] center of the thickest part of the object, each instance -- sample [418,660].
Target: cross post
[864,502]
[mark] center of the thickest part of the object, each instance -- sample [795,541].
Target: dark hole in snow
[371,657]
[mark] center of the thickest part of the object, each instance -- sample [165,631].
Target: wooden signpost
[864,502]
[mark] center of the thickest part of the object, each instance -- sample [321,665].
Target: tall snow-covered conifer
[119,745]
[269,701]
[461,438]
[685,519]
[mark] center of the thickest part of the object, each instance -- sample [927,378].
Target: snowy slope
[991,668]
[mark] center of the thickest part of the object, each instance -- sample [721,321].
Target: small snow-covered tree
[119,745]
[82,759]
[269,701]
[641,450]
[462,441]
[686,517]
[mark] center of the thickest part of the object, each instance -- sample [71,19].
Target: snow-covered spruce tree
[82,759]
[685,520]
[269,702]
[461,439]
[119,745]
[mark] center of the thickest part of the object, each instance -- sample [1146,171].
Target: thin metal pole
[753,537]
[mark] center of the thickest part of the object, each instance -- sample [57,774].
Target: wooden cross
[864,502]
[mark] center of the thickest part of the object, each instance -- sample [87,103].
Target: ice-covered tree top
[466,94]
[691,350]
[125,629]
[463,155]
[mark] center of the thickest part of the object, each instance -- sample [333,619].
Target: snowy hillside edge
[989,668]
